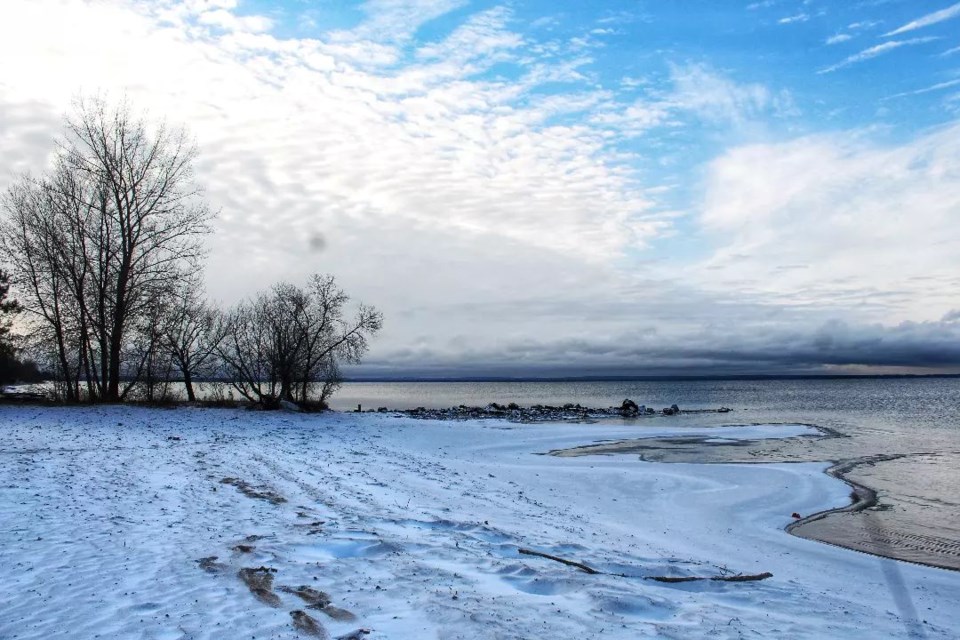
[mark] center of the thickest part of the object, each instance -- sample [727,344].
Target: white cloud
[800,17]
[483,37]
[713,96]
[397,20]
[950,51]
[835,221]
[936,87]
[838,38]
[231,22]
[863,24]
[931,18]
[875,51]
[701,92]
[451,188]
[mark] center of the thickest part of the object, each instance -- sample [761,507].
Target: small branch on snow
[587,569]
[737,578]
[578,565]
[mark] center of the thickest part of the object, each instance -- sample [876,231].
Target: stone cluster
[543,413]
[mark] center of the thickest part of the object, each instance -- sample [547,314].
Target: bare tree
[97,244]
[8,308]
[287,344]
[149,358]
[191,336]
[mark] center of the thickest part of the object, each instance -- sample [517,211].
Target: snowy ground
[415,527]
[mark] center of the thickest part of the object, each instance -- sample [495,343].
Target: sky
[534,188]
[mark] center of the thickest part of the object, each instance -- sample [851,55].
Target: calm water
[918,515]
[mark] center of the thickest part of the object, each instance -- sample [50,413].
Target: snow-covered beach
[110,518]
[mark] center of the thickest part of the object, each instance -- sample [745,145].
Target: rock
[542,413]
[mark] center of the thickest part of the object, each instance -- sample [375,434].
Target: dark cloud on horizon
[834,347]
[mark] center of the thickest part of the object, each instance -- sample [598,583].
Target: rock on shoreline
[543,413]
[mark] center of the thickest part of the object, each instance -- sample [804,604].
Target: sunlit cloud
[925,21]
[800,17]
[850,212]
[875,51]
[838,38]
[936,87]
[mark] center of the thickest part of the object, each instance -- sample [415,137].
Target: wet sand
[886,515]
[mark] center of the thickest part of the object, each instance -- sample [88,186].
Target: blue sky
[539,188]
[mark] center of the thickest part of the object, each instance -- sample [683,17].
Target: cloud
[856,213]
[936,87]
[838,38]
[483,38]
[700,92]
[950,51]
[713,96]
[800,17]
[396,20]
[831,347]
[231,22]
[931,18]
[875,51]
[430,186]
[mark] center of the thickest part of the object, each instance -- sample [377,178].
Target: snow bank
[117,522]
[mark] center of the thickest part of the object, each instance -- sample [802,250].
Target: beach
[897,438]
[203,523]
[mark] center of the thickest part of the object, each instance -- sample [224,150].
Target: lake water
[917,517]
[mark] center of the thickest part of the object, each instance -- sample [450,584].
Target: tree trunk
[188,383]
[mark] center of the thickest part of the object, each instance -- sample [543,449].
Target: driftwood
[587,569]
[571,563]
[737,578]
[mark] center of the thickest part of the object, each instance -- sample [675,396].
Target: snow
[414,527]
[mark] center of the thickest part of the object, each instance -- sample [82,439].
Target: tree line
[105,254]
